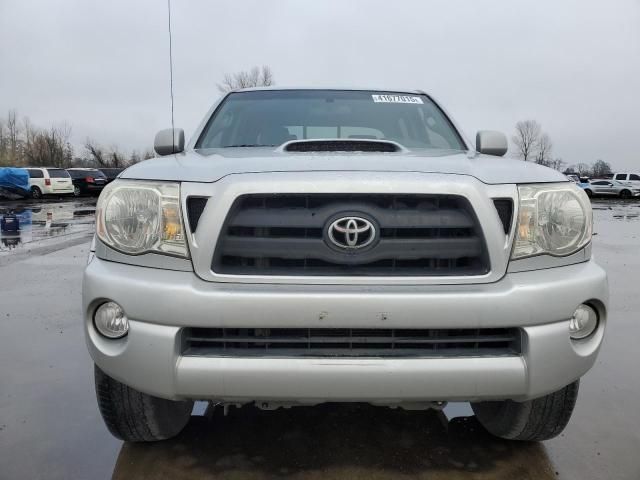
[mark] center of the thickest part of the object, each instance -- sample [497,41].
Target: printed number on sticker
[396,99]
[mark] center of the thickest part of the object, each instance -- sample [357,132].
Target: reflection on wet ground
[333,442]
[625,210]
[28,223]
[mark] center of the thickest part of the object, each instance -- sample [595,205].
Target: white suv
[632,179]
[49,181]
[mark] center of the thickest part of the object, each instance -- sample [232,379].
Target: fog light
[583,323]
[111,321]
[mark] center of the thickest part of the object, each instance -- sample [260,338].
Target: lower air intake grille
[350,342]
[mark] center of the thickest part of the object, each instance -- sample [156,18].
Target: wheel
[589,192]
[36,192]
[76,191]
[625,194]
[534,420]
[134,416]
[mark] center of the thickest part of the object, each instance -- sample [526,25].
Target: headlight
[137,217]
[554,219]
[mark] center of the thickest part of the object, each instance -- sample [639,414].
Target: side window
[621,176]
[633,176]
[33,173]
[599,183]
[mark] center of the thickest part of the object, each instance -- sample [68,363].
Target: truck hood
[213,164]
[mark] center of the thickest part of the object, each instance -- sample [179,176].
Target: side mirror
[168,141]
[491,142]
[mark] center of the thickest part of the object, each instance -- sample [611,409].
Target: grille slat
[399,249]
[306,218]
[286,234]
[350,342]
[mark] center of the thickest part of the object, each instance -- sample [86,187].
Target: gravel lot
[50,427]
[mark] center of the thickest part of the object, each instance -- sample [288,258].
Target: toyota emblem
[351,233]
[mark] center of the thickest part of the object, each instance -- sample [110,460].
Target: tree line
[23,144]
[532,144]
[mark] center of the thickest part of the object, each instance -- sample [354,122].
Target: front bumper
[160,302]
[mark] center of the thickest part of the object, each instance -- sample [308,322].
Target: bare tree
[526,139]
[557,164]
[47,148]
[543,150]
[117,159]
[600,168]
[111,157]
[583,169]
[136,156]
[3,145]
[96,153]
[10,141]
[256,77]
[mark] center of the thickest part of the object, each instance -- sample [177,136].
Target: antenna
[173,138]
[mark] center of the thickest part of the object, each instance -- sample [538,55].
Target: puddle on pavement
[333,441]
[25,223]
[625,210]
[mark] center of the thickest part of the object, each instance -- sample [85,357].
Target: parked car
[611,188]
[573,177]
[87,180]
[632,179]
[315,246]
[111,173]
[49,181]
[14,183]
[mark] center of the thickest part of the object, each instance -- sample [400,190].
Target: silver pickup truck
[340,245]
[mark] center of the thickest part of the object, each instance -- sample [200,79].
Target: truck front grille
[288,234]
[350,342]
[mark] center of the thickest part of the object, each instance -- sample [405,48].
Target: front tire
[36,193]
[534,420]
[625,194]
[134,416]
[589,192]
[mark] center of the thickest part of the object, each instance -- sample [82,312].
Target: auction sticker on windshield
[396,99]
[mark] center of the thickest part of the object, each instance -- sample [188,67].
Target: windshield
[273,117]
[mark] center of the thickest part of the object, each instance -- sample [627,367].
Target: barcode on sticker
[396,99]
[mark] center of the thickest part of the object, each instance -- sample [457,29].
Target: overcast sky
[574,66]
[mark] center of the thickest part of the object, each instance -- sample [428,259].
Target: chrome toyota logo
[351,232]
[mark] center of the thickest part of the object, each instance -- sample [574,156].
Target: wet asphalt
[50,426]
